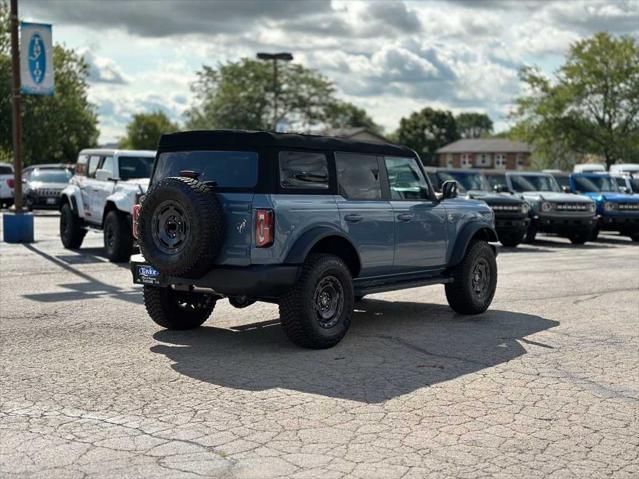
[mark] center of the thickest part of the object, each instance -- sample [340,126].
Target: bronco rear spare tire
[181,227]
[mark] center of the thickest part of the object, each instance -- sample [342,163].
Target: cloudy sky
[390,57]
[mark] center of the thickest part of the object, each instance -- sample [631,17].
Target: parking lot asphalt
[545,384]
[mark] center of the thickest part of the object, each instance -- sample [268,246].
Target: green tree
[241,95]
[343,114]
[590,107]
[54,128]
[474,125]
[426,131]
[144,130]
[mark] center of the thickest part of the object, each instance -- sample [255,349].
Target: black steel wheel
[71,231]
[474,280]
[317,312]
[180,310]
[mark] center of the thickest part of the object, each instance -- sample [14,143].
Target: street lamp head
[283,56]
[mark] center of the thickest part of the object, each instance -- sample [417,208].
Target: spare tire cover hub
[170,227]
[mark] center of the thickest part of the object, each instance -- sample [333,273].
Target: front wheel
[317,312]
[579,238]
[71,231]
[474,280]
[511,240]
[531,233]
[118,239]
[634,237]
[179,310]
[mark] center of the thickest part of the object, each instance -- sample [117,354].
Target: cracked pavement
[545,384]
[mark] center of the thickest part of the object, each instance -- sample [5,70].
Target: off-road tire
[460,293]
[71,231]
[634,237]
[595,234]
[579,238]
[178,310]
[298,313]
[203,236]
[118,238]
[511,240]
[531,233]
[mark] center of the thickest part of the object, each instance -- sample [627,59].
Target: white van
[589,168]
[625,169]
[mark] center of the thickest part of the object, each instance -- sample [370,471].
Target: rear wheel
[118,239]
[634,237]
[475,280]
[180,310]
[71,231]
[317,312]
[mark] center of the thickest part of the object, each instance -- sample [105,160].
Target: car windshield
[466,180]
[50,175]
[228,169]
[595,184]
[521,183]
[496,179]
[562,180]
[134,167]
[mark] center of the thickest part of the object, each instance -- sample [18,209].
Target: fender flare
[303,245]
[71,193]
[121,200]
[465,237]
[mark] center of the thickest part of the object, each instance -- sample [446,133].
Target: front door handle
[353,218]
[404,217]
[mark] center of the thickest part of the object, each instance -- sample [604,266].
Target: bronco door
[364,215]
[420,220]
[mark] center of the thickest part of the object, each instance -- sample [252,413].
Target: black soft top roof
[215,139]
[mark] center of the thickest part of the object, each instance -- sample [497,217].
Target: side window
[303,170]
[358,176]
[93,165]
[406,179]
[109,165]
[81,165]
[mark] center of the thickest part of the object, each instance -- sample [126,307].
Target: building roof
[486,145]
[201,139]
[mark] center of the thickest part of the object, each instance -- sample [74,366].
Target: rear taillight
[264,228]
[135,213]
[10,182]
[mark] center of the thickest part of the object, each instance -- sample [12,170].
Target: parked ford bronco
[616,211]
[553,211]
[101,195]
[310,223]
[511,212]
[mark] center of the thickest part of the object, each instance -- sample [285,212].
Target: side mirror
[449,189]
[104,175]
[624,189]
[565,189]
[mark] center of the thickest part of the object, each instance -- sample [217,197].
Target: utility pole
[17,118]
[274,57]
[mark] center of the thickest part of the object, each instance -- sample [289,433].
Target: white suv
[6,185]
[101,195]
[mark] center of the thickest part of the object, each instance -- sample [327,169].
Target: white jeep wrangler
[101,195]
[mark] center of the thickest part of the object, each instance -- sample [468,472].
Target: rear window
[228,169]
[5,170]
[133,167]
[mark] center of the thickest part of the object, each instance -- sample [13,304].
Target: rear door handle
[404,217]
[353,218]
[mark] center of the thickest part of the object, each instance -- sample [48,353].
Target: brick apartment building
[491,153]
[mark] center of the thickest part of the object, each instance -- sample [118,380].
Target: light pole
[17,119]
[274,57]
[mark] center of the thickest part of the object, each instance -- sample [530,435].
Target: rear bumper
[564,226]
[255,280]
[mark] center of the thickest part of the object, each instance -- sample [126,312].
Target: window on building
[358,176]
[521,163]
[482,160]
[466,161]
[500,161]
[449,160]
[303,170]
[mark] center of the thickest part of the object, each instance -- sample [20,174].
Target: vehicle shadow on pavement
[552,243]
[392,349]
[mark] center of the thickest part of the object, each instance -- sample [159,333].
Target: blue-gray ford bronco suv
[308,222]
